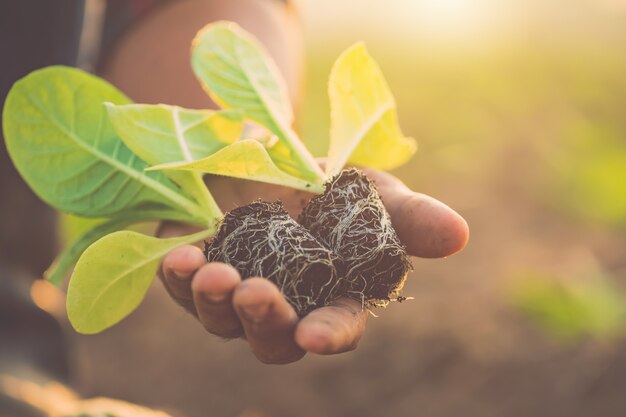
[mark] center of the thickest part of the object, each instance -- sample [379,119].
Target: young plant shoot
[85,149]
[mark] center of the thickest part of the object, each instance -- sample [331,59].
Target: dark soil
[262,240]
[351,220]
[344,245]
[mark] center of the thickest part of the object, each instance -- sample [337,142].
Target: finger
[178,268]
[427,227]
[336,328]
[213,287]
[268,321]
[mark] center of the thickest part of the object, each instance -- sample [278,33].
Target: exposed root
[374,303]
[261,240]
[351,220]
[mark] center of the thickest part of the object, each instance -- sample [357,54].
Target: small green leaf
[59,269]
[161,134]
[278,152]
[280,155]
[247,159]
[113,275]
[364,123]
[71,227]
[59,137]
[238,73]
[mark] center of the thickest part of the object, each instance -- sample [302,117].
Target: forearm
[150,63]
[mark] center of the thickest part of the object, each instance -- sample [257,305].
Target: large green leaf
[59,138]
[238,73]
[161,133]
[364,123]
[113,275]
[247,159]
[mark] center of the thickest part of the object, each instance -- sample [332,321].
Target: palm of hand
[254,308]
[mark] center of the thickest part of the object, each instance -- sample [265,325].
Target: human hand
[254,309]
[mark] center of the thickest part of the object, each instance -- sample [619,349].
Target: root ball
[351,220]
[262,240]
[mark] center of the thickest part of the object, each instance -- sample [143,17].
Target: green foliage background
[535,120]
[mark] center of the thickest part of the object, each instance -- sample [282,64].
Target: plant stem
[302,155]
[206,199]
[215,214]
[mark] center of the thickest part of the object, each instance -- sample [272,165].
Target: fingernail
[256,312]
[215,298]
[171,272]
[178,275]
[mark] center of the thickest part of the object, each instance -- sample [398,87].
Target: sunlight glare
[451,19]
[437,21]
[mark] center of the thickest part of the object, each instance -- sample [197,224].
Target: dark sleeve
[33,34]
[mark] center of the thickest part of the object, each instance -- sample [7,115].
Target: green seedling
[85,149]
[571,309]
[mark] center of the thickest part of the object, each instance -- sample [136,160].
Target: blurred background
[519,109]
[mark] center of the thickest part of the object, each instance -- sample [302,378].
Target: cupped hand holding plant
[229,307]
[129,163]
